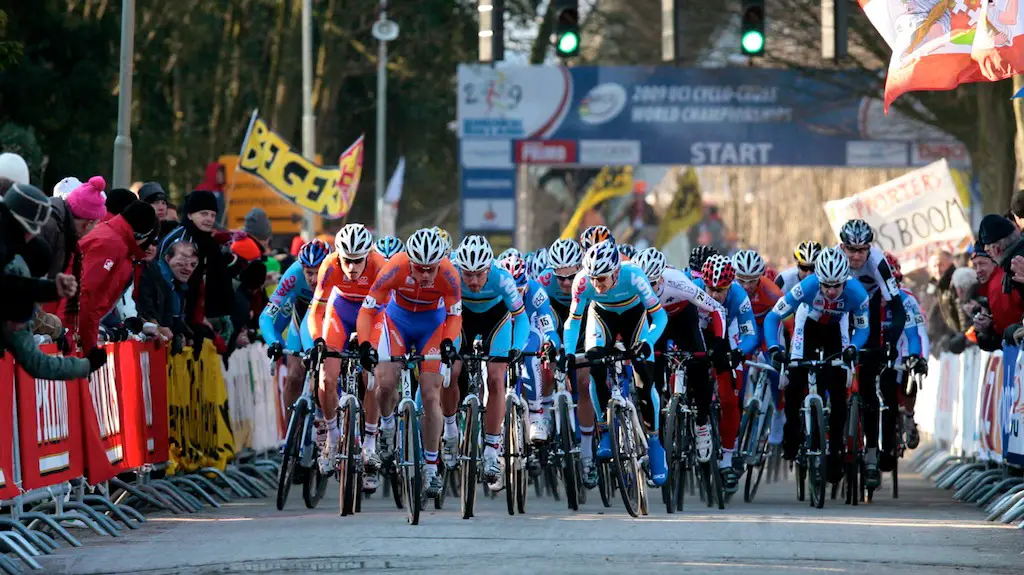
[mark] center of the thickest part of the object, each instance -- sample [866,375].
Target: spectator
[117,200]
[940,272]
[1007,307]
[72,218]
[257,225]
[13,170]
[1002,241]
[1017,209]
[65,187]
[153,194]
[108,254]
[249,297]
[171,214]
[163,288]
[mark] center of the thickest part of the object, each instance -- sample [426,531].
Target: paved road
[922,532]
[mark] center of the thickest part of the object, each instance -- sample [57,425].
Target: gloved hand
[367,356]
[778,357]
[275,351]
[917,364]
[567,363]
[133,325]
[63,343]
[97,358]
[448,352]
[548,351]
[735,358]
[641,350]
[720,354]
[850,354]
[514,355]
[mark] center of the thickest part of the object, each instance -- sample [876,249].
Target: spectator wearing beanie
[64,187]
[108,256]
[153,194]
[163,288]
[72,218]
[249,297]
[257,225]
[117,200]
[1002,241]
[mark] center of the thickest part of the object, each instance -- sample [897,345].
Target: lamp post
[122,176]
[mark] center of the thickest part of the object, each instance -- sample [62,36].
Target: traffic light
[567,28]
[752,32]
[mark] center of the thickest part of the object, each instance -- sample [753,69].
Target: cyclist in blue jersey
[825,304]
[565,258]
[542,330]
[494,310]
[623,302]
[912,349]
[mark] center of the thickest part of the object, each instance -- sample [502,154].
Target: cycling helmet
[517,267]
[426,247]
[718,272]
[536,267]
[353,241]
[542,257]
[601,259]
[748,264]
[832,267]
[627,250]
[509,252]
[652,262]
[313,252]
[388,246]
[595,235]
[474,254]
[445,237]
[699,255]
[895,265]
[807,252]
[856,233]
[565,254]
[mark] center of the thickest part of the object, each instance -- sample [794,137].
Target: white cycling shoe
[493,472]
[450,452]
[540,429]
[704,443]
[328,455]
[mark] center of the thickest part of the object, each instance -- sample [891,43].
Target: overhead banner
[913,216]
[609,183]
[328,191]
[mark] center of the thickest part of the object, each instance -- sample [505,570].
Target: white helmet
[832,267]
[565,254]
[353,241]
[748,264]
[652,262]
[535,267]
[509,252]
[602,259]
[543,258]
[425,247]
[474,254]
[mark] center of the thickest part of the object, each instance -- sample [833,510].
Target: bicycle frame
[813,367]
[562,390]
[619,399]
[763,401]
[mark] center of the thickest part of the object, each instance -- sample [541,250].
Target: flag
[609,183]
[389,209]
[940,44]
[685,210]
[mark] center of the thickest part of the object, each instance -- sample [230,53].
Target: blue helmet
[388,246]
[313,252]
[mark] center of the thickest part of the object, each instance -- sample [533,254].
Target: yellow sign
[686,208]
[609,183]
[245,192]
[326,191]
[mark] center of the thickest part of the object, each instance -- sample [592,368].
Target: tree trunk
[1018,112]
[992,154]
[540,46]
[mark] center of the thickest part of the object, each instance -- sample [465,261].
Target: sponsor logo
[369,302]
[891,284]
[798,292]
[609,152]
[409,281]
[108,265]
[455,309]
[363,280]
[603,103]
[546,152]
[487,154]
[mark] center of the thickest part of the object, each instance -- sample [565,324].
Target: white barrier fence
[254,402]
[972,409]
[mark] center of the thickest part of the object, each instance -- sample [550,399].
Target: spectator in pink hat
[72,218]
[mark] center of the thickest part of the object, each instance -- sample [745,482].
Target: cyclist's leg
[296,370]
[632,326]
[867,374]
[887,455]
[452,395]
[430,332]
[389,340]
[336,333]
[496,326]
[729,422]
[598,336]
[533,382]
[796,389]
[832,342]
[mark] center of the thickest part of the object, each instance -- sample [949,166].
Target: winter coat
[59,233]
[210,293]
[949,302]
[14,287]
[1016,249]
[161,298]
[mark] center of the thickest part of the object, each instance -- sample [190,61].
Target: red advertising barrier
[49,429]
[103,418]
[142,373]
[7,487]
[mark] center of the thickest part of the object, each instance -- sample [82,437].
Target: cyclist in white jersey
[806,254]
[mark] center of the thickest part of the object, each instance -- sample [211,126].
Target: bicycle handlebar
[410,357]
[817,363]
[760,365]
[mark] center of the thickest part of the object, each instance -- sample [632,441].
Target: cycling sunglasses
[831,286]
[425,269]
[857,249]
[565,278]
[718,289]
[354,261]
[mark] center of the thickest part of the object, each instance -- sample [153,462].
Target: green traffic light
[752,42]
[568,43]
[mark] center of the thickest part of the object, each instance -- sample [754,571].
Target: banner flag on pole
[609,183]
[685,210]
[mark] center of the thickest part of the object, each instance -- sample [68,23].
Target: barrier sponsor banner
[990,432]
[200,428]
[947,397]
[1013,410]
[103,421]
[49,429]
[142,372]
[914,216]
[966,415]
[8,489]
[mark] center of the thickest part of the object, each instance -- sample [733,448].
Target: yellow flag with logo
[685,210]
[609,183]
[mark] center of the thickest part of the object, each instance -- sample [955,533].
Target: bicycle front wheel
[568,456]
[670,439]
[755,471]
[293,439]
[624,454]
[411,461]
[469,455]
[817,476]
[348,469]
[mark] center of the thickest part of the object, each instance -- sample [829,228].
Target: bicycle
[300,452]
[566,450]
[899,439]
[516,448]
[472,411]
[755,429]
[408,445]
[349,464]
[812,456]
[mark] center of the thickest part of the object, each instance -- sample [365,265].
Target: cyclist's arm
[656,314]
[545,317]
[321,295]
[272,321]
[451,288]
[891,293]
[520,319]
[704,302]
[381,290]
[787,306]
[577,308]
[746,322]
[861,326]
[913,329]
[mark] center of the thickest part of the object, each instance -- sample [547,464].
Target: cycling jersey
[347,295]
[677,290]
[788,278]
[876,276]
[500,288]
[538,308]
[915,338]
[549,282]
[288,303]
[853,300]
[631,290]
[738,309]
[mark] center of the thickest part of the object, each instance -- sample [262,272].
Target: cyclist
[344,280]
[535,266]
[542,330]
[806,254]
[566,259]
[717,278]
[676,292]
[913,349]
[595,235]
[509,252]
[446,238]
[698,256]
[825,304]
[388,246]
[416,282]
[494,310]
[625,306]
[867,264]
[627,251]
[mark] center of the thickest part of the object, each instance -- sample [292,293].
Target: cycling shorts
[493,325]
[298,339]
[340,321]
[561,314]
[396,330]
[603,326]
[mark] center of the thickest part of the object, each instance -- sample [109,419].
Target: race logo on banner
[913,216]
[7,487]
[103,419]
[49,429]
[1013,413]
[990,430]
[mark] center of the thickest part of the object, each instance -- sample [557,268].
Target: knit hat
[995,228]
[247,249]
[118,199]
[257,224]
[151,192]
[142,218]
[200,200]
[14,168]
[978,250]
[29,206]
[66,186]
[88,202]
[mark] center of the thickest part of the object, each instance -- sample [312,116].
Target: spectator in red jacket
[108,254]
[1007,308]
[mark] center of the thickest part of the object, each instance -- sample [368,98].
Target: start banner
[8,488]
[913,216]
